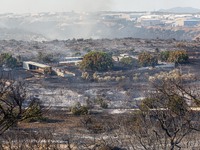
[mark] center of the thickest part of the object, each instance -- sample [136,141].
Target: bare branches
[169,109]
[13,98]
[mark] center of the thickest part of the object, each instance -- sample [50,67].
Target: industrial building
[187,22]
[191,23]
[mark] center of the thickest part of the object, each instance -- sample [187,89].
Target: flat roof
[73,57]
[36,64]
[69,61]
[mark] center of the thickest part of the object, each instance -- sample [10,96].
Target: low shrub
[79,110]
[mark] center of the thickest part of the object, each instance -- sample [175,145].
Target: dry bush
[20,139]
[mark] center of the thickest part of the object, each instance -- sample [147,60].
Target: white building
[36,67]
[151,22]
[71,60]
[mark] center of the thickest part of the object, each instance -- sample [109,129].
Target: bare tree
[166,117]
[14,106]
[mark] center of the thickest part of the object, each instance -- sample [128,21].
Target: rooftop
[37,64]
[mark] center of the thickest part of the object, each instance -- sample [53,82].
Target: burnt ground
[65,92]
[62,93]
[59,92]
[87,130]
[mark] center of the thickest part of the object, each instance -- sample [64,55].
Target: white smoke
[84,23]
[89,6]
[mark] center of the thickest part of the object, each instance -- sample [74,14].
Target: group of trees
[176,56]
[179,56]
[101,61]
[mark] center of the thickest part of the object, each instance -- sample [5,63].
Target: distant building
[151,22]
[71,60]
[179,22]
[37,67]
[187,22]
[191,23]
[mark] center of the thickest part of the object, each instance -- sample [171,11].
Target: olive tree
[97,61]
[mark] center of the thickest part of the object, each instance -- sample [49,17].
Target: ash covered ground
[59,92]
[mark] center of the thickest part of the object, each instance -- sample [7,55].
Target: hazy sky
[24,6]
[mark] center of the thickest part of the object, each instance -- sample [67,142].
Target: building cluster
[156,19]
[173,20]
[59,69]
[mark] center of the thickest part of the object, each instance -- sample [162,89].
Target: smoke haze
[35,6]
[92,5]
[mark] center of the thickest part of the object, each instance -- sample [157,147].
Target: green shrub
[77,109]
[147,59]
[179,56]
[164,56]
[96,61]
[8,60]
[102,103]
[34,113]
[128,62]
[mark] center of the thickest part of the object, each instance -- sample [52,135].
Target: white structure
[71,60]
[37,67]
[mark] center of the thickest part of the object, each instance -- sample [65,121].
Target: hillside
[63,26]
[181,10]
